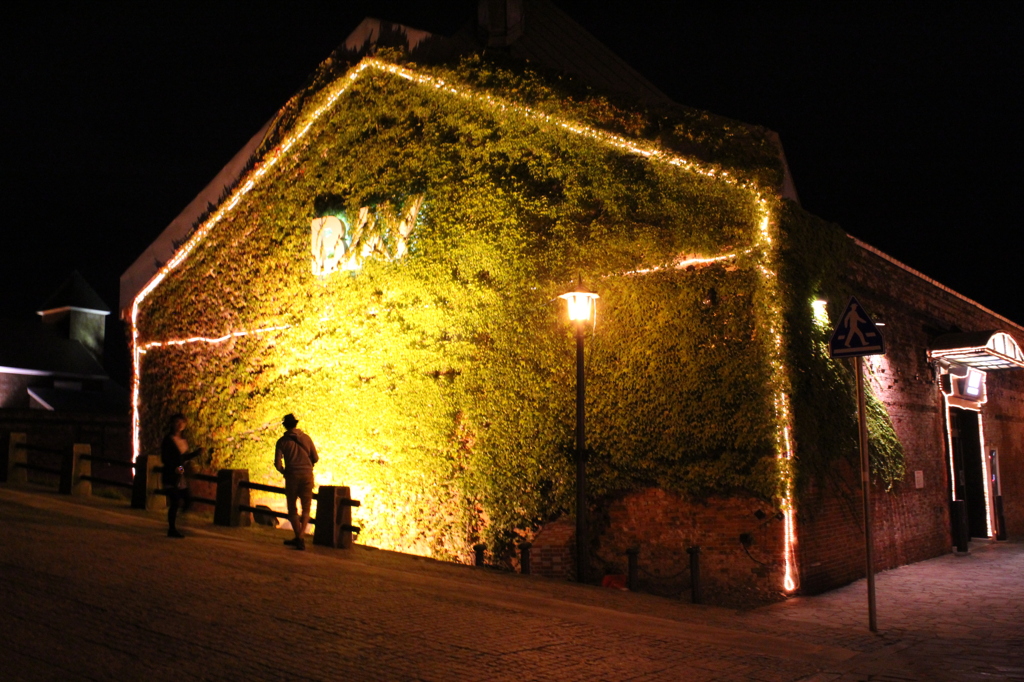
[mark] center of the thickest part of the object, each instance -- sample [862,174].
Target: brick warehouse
[238,343]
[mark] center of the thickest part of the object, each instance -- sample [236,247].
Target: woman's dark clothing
[172,460]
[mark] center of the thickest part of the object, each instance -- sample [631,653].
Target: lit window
[973,385]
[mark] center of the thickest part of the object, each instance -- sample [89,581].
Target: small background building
[53,386]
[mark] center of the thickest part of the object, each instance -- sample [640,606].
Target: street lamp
[582,309]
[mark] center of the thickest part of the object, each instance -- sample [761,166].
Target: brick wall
[1004,430]
[663,525]
[552,555]
[910,524]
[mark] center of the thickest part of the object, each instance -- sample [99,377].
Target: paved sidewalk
[92,590]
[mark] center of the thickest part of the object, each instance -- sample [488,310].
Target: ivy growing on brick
[440,386]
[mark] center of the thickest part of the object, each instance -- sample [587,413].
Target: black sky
[901,122]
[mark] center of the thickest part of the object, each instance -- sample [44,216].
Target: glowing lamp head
[581,303]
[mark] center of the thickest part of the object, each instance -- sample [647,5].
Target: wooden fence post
[230,495]
[334,516]
[80,467]
[154,482]
[16,455]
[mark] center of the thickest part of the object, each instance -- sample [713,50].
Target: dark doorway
[970,478]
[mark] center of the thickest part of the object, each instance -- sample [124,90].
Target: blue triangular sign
[855,334]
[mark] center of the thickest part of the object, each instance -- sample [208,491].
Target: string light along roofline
[636,147]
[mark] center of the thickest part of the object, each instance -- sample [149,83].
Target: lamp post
[582,304]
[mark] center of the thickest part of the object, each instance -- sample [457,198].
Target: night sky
[902,123]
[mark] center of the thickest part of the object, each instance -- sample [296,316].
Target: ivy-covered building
[384,259]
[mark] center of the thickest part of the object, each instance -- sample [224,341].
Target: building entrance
[968,469]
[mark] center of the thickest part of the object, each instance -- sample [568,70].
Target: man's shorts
[299,486]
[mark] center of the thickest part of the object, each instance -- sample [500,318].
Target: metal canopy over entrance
[981,350]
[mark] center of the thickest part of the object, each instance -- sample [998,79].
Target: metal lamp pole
[582,541]
[581,306]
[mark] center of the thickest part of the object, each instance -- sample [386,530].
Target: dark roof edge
[164,246]
[903,266]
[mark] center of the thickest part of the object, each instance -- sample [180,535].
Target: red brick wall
[663,525]
[909,524]
[552,552]
[1004,430]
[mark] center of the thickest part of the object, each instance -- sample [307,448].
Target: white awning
[983,350]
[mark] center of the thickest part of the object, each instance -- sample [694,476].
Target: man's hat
[289,421]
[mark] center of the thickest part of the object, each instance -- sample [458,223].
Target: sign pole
[854,337]
[865,484]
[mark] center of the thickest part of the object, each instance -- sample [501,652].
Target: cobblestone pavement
[92,590]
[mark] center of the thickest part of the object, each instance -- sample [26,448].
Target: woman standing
[174,453]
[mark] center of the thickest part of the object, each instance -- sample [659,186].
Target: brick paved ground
[92,590]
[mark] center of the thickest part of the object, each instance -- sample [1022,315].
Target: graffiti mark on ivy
[340,242]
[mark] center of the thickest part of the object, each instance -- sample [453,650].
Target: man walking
[294,457]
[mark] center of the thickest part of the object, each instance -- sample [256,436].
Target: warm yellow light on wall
[581,303]
[820,308]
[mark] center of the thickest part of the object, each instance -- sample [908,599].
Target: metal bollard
[231,496]
[633,553]
[479,551]
[524,558]
[694,553]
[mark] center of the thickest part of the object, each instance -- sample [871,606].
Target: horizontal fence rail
[333,525]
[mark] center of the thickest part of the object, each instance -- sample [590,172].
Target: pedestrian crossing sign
[855,334]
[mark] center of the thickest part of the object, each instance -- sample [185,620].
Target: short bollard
[633,554]
[478,550]
[80,468]
[524,558]
[231,496]
[694,553]
[333,526]
[17,458]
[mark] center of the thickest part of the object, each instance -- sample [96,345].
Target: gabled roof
[551,38]
[76,293]
[33,348]
[161,250]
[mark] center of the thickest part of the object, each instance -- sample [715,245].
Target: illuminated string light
[209,340]
[694,261]
[949,446]
[987,478]
[339,87]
